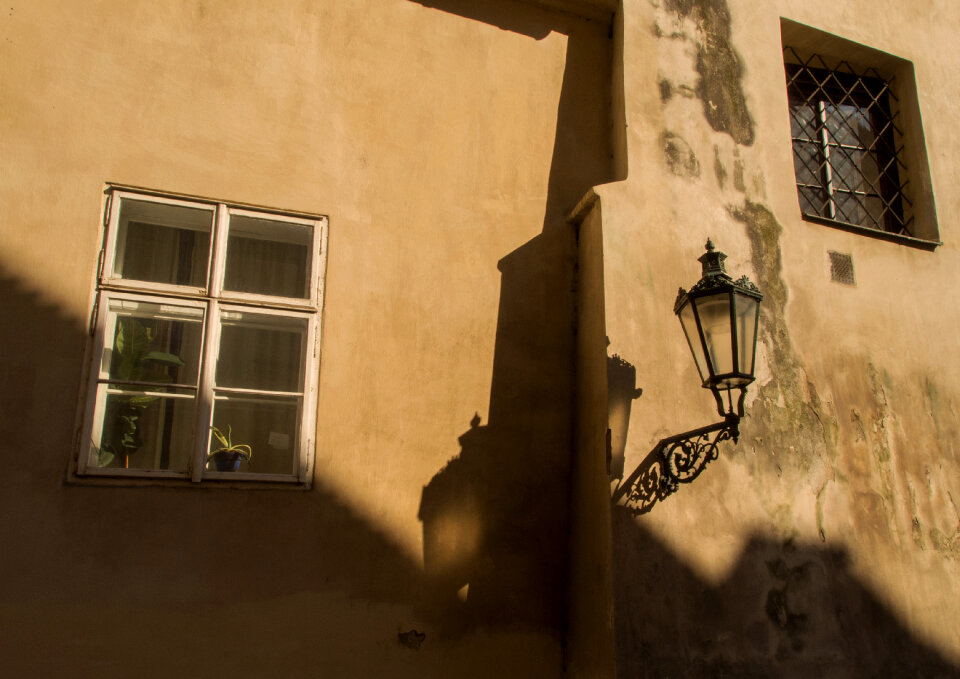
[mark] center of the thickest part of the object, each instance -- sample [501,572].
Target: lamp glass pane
[746,319]
[714,312]
[689,324]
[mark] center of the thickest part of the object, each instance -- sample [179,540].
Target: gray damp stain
[719,67]
[679,156]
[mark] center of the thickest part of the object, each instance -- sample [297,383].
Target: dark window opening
[846,145]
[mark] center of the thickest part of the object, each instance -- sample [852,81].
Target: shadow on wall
[622,390]
[40,345]
[104,580]
[495,518]
[785,610]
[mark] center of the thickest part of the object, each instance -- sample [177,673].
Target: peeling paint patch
[666,90]
[946,427]
[718,168]
[679,156]
[880,446]
[858,422]
[820,498]
[947,545]
[719,67]
[916,531]
[788,412]
[738,171]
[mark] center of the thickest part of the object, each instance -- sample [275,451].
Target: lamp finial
[712,261]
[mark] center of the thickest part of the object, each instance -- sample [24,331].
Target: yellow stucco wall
[826,540]
[434,137]
[447,141]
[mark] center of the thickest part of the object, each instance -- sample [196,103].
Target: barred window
[847,151]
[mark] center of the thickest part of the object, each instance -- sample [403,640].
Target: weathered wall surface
[826,541]
[447,142]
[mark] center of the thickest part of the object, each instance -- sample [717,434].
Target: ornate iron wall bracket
[674,460]
[720,317]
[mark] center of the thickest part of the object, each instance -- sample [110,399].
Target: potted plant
[228,456]
[136,359]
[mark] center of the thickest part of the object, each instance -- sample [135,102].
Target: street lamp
[719,316]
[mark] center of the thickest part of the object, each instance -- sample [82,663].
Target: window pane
[714,312]
[157,343]
[689,324]
[803,121]
[845,169]
[807,163]
[842,123]
[163,243]
[848,207]
[268,425]
[746,317]
[875,208]
[143,431]
[870,171]
[260,351]
[812,202]
[268,257]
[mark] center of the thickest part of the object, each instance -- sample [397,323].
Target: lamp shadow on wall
[786,609]
[495,518]
[622,391]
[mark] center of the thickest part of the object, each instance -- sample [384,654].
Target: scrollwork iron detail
[674,460]
[685,459]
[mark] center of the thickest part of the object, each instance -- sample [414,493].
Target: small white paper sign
[278,440]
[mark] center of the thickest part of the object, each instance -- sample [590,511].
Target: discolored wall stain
[738,171]
[666,90]
[679,156]
[788,415]
[780,608]
[947,545]
[719,68]
[718,168]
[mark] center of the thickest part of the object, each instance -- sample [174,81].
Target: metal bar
[158,394]
[254,392]
[827,170]
[134,383]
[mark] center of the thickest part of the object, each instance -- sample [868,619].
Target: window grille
[841,268]
[847,156]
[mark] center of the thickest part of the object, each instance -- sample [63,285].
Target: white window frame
[212,300]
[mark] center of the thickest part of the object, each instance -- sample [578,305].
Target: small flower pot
[226,461]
